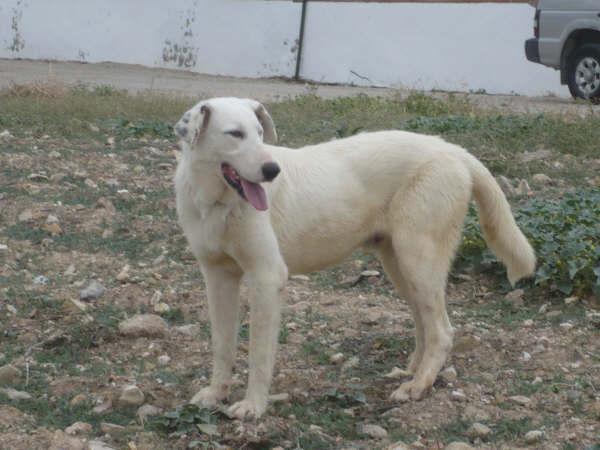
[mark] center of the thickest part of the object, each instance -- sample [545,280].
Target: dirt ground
[134,78]
[524,372]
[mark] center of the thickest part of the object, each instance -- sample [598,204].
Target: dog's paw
[411,390]
[246,409]
[208,397]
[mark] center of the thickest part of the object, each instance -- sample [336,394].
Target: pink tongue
[255,194]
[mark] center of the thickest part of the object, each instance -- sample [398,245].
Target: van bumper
[532,50]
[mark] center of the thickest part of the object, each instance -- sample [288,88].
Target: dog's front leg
[222,286]
[265,310]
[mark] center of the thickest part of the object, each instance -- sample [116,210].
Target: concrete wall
[426,46]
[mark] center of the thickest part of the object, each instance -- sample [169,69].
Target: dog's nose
[270,170]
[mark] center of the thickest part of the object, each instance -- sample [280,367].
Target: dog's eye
[236,134]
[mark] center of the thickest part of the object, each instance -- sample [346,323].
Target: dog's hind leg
[426,227]
[222,286]
[387,256]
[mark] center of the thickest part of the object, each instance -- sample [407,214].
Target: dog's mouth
[252,192]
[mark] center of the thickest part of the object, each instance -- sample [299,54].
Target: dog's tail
[500,230]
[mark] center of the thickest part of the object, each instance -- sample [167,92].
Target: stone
[5,135]
[123,275]
[533,436]
[478,430]
[144,325]
[566,326]
[506,186]
[458,396]
[352,362]
[112,429]
[571,300]
[466,344]
[13,394]
[398,446]
[79,399]
[9,375]
[458,446]
[51,219]
[79,428]
[337,358]
[515,297]
[370,273]
[535,155]
[61,440]
[92,292]
[146,411]
[163,360]
[520,400]
[41,280]
[131,395]
[98,445]
[26,216]
[3,248]
[374,431]
[103,407]
[53,228]
[397,372]
[523,188]
[542,179]
[300,277]
[528,323]
[449,374]
[475,414]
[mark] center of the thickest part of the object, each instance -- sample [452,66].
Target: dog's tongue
[255,194]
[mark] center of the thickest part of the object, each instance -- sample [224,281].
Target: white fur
[400,194]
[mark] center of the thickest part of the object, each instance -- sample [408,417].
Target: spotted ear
[193,123]
[263,116]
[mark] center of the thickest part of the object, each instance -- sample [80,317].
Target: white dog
[402,195]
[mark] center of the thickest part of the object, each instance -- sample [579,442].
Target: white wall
[427,46]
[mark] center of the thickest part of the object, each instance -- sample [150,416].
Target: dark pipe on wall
[300,39]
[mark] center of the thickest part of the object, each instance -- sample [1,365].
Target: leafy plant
[565,233]
[186,419]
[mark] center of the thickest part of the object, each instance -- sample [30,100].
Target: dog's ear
[193,123]
[263,116]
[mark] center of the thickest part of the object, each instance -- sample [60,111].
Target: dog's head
[229,135]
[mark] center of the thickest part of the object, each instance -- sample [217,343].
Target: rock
[337,358]
[70,271]
[61,441]
[349,281]
[26,216]
[93,128]
[371,317]
[5,135]
[51,219]
[374,431]
[300,277]
[466,344]
[515,297]
[103,407]
[525,357]
[370,273]
[352,362]
[79,428]
[163,360]
[476,414]
[533,436]
[506,186]
[98,445]
[542,179]
[398,446]
[566,326]
[144,325]
[528,323]
[92,292]
[79,399]
[523,188]
[276,398]
[13,394]
[3,247]
[537,380]
[535,155]
[520,400]
[38,177]
[53,228]
[41,280]
[90,183]
[449,374]
[112,429]
[478,430]
[131,396]
[9,375]
[146,411]
[458,396]
[123,275]
[458,446]
[397,372]
[571,300]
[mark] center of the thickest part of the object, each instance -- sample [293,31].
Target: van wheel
[583,72]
